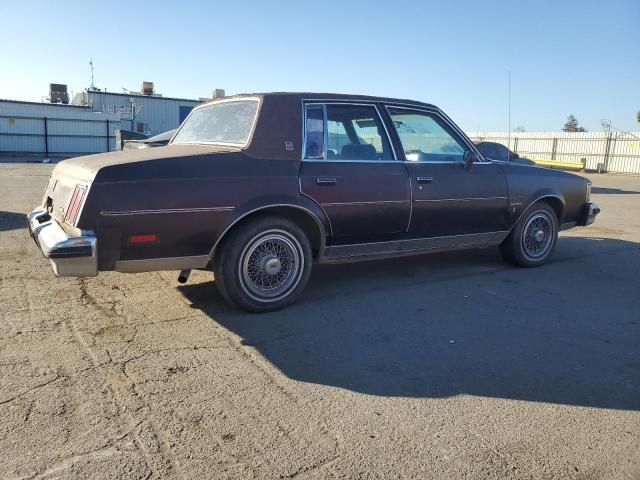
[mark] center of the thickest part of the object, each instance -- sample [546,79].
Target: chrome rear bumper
[69,256]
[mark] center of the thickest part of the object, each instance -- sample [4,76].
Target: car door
[449,197]
[351,170]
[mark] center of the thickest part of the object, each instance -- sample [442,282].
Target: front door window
[425,138]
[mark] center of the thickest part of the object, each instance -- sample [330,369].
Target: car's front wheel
[264,264]
[533,239]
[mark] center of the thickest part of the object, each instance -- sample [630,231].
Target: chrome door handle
[325,181]
[424,179]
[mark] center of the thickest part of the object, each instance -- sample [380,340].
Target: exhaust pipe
[183,276]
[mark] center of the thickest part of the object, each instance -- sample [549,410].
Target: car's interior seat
[363,151]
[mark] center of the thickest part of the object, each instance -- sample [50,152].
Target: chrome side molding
[414,246]
[165,263]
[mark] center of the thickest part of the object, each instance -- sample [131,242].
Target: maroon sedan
[258,187]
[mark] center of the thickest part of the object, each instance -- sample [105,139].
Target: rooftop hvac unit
[58,93]
[147,88]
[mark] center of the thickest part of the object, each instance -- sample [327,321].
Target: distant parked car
[258,188]
[497,151]
[159,140]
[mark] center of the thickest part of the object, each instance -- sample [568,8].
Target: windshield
[221,122]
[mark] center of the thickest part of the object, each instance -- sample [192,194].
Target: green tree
[571,125]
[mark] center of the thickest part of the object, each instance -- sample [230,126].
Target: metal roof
[26,102]
[138,94]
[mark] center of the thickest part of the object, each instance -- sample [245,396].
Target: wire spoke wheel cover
[537,235]
[271,265]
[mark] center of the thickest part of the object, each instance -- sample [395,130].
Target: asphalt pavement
[442,366]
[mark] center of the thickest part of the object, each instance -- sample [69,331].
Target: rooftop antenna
[509,118]
[92,87]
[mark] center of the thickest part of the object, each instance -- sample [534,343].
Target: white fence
[616,152]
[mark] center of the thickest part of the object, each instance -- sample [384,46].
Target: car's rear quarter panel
[187,202]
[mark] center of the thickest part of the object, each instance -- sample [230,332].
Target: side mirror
[469,157]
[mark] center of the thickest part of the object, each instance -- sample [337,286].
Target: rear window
[227,123]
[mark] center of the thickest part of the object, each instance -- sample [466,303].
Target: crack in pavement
[67,463]
[32,389]
[315,466]
[120,385]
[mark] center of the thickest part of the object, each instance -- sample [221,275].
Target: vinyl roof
[330,96]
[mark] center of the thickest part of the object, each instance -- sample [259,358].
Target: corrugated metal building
[86,126]
[147,114]
[54,130]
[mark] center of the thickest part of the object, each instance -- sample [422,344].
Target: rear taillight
[75,204]
[143,238]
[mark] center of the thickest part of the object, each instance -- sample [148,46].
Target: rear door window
[355,132]
[314,132]
[345,132]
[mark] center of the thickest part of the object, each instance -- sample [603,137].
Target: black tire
[533,239]
[263,265]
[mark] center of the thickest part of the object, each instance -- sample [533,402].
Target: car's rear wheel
[264,264]
[533,239]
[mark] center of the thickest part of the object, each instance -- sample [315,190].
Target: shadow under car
[461,323]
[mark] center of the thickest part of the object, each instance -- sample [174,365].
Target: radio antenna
[509,117]
[92,87]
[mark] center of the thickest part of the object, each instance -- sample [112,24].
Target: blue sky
[580,57]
